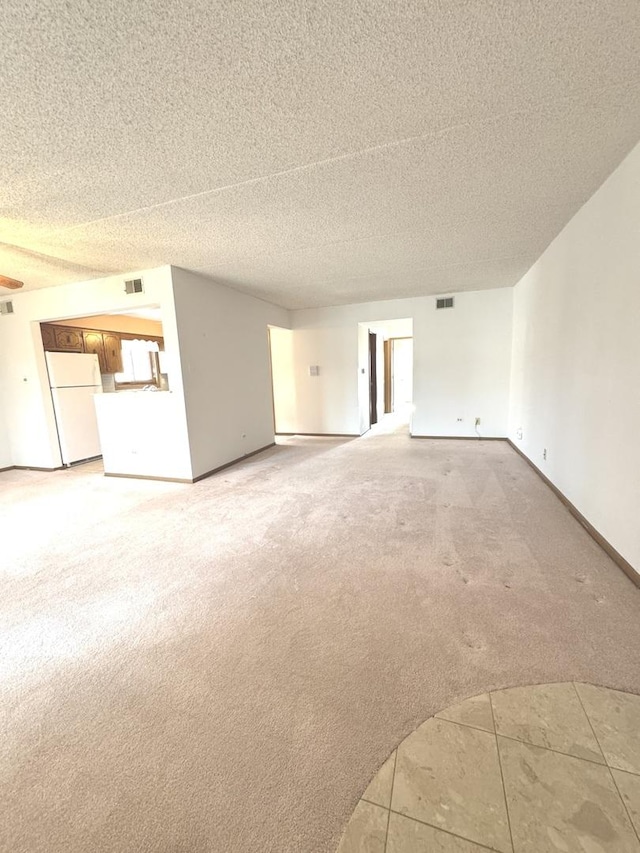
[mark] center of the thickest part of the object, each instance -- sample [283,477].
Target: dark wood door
[93,343]
[48,337]
[373,380]
[68,339]
[112,353]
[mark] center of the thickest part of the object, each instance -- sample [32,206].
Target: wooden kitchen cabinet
[94,343]
[108,348]
[106,345]
[68,339]
[112,353]
[48,336]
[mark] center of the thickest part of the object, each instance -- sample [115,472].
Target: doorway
[398,374]
[283,380]
[88,361]
[385,392]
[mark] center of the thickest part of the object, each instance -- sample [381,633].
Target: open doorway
[283,384]
[386,373]
[398,374]
[91,357]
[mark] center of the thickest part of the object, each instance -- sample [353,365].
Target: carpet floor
[224,666]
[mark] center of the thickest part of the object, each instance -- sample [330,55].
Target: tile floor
[552,767]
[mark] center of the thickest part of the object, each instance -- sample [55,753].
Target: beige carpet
[223,667]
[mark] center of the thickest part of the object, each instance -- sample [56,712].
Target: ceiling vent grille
[444,302]
[6,307]
[134,285]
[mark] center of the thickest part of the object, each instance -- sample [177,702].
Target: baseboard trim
[8,468]
[606,546]
[186,480]
[233,462]
[323,434]
[463,437]
[34,468]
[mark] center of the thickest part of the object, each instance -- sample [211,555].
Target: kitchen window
[139,363]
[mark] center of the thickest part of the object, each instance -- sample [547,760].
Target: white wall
[142,434]
[576,360]
[226,372]
[461,364]
[379,376]
[327,403]
[462,360]
[362,368]
[6,459]
[23,378]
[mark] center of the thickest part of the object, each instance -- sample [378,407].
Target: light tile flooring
[553,767]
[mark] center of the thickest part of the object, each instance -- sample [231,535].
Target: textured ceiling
[308,153]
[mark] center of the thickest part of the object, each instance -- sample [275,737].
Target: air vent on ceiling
[133,286]
[6,307]
[444,302]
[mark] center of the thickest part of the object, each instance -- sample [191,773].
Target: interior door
[373,381]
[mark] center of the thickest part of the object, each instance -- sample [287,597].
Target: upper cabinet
[106,345]
[93,342]
[112,352]
[68,339]
[48,337]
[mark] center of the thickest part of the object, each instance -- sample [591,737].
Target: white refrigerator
[74,379]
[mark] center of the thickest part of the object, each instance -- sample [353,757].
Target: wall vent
[6,307]
[444,302]
[134,285]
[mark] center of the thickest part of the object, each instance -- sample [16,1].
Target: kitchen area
[110,390]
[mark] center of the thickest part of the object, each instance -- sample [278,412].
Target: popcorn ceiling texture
[222,668]
[310,154]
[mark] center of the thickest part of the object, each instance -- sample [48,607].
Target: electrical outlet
[544,453]
[477,421]
[519,433]
[459,420]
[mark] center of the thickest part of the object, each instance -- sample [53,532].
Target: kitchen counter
[136,391]
[143,434]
